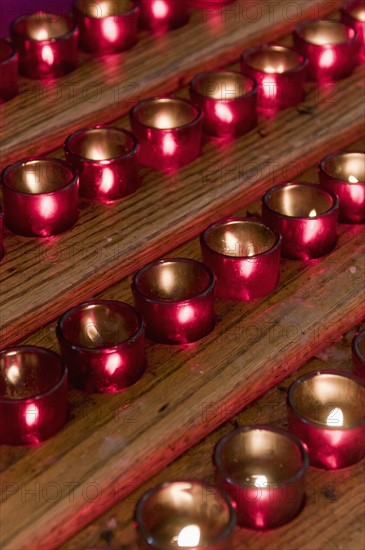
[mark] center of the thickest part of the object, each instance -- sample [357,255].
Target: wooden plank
[103,89]
[38,276]
[334,512]
[114,443]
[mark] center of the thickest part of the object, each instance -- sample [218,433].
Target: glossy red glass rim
[319,425]
[39,350]
[267,428]
[73,173]
[329,157]
[194,122]
[302,61]
[72,30]
[8,47]
[204,74]
[349,40]
[132,150]
[317,186]
[113,348]
[275,233]
[206,292]
[355,346]
[141,502]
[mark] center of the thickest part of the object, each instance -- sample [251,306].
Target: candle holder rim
[202,74]
[13,52]
[268,428]
[355,345]
[133,9]
[95,350]
[276,234]
[302,60]
[312,374]
[131,152]
[73,27]
[168,302]
[66,164]
[195,121]
[194,481]
[323,162]
[51,389]
[307,22]
[328,212]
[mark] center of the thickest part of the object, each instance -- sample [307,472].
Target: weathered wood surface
[334,512]
[112,444]
[100,90]
[38,276]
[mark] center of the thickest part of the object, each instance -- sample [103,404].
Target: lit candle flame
[260,480]
[313,213]
[353,179]
[335,417]
[167,279]
[92,332]
[42,34]
[271,69]
[13,374]
[189,536]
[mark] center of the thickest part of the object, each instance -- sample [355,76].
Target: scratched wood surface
[112,444]
[106,88]
[333,517]
[111,241]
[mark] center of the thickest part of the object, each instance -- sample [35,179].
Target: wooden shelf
[121,440]
[111,241]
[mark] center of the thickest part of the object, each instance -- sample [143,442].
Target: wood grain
[38,276]
[114,443]
[335,505]
[100,90]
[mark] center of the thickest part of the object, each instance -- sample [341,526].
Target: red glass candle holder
[169,131]
[163,15]
[227,100]
[344,174]
[33,395]
[176,299]
[244,255]
[106,26]
[1,233]
[184,514]
[47,44]
[327,411]
[306,217]
[262,469]
[102,343]
[358,354]
[353,15]
[330,46]
[280,73]
[8,71]
[106,160]
[40,196]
